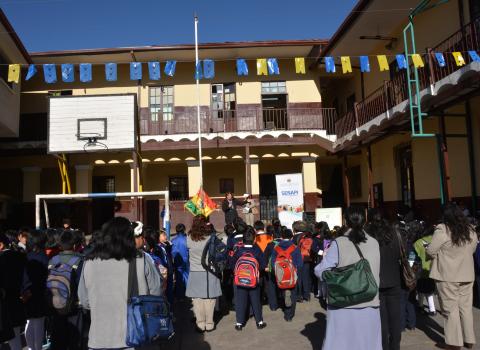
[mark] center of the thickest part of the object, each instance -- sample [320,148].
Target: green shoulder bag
[352,284]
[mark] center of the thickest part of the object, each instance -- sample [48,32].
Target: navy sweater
[252,249]
[296,255]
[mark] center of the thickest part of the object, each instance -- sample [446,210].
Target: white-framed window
[161,103]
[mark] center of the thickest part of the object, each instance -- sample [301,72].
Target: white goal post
[165,194]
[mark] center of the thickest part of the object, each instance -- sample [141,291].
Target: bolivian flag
[201,204]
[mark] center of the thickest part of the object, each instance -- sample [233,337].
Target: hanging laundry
[474,56]
[417,61]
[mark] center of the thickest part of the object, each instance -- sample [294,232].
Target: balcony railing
[241,120]
[395,91]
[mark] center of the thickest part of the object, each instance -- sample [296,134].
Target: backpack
[247,271]
[305,244]
[214,256]
[285,271]
[61,288]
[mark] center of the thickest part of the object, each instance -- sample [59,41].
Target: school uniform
[271,283]
[288,312]
[248,296]
[180,261]
[305,274]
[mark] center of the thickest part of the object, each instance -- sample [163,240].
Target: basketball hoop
[93,144]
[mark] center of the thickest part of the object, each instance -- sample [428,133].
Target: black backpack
[214,256]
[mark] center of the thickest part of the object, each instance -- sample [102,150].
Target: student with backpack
[180,260]
[271,285]
[287,260]
[64,272]
[309,247]
[262,238]
[248,261]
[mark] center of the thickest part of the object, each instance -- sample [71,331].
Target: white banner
[290,198]
[332,216]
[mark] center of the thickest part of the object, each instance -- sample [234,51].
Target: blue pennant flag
[32,70]
[68,73]
[154,70]
[111,71]
[135,70]
[330,64]
[49,73]
[208,69]
[198,70]
[364,64]
[170,68]
[85,72]
[272,65]
[242,67]
[474,56]
[440,59]
[401,61]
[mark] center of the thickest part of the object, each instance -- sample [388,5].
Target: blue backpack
[61,284]
[214,256]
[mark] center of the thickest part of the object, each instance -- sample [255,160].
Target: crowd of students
[68,290]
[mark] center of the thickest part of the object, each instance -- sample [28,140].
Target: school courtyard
[306,331]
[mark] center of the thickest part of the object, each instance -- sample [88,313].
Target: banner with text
[290,195]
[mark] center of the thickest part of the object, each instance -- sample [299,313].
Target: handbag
[352,284]
[408,275]
[148,316]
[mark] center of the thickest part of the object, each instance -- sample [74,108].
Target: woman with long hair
[202,286]
[103,287]
[390,291]
[357,326]
[453,245]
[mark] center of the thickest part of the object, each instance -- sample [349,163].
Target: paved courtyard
[305,332]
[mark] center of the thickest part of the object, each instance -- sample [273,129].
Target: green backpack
[352,284]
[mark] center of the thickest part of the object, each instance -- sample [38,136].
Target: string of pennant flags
[205,69]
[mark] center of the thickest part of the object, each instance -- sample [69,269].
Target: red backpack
[247,271]
[305,244]
[285,271]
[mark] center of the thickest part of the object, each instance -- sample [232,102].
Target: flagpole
[200,162]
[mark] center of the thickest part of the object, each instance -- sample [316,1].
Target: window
[226,185]
[103,184]
[223,100]
[274,87]
[161,102]
[178,188]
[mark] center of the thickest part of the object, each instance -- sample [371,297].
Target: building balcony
[391,98]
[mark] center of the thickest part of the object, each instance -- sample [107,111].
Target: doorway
[274,105]
[268,197]
[407,187]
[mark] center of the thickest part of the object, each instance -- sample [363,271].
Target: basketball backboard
[92,123]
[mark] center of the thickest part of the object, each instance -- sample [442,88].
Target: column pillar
[83,178]
[312,197]
[31,183]
[193,177]
[254,177]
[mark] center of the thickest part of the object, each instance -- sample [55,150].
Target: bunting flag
[135,71]
[198,71]
[154,70]
[32,70]
[440,59]
[208,69]
[300,65]
[85,72]
[111,71]
[49,73]
[417,61]
[170,68]
[459,60]
[364,64]
[262,66]
[330,64]
[346,64]
[13,73]
[201,204]
[383,63]
[242,67]
[474,56]
[401,61]
[272,65]
[68,73]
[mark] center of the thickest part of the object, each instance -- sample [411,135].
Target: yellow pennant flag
[417,61]
[13,73]
[299,65]
[383,63]
[346,64]
[262,66]
[459,60]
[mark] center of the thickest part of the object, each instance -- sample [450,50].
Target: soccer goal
[163,214]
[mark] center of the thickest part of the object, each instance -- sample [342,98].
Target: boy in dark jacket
[289,296]
[271,285]
[244,295]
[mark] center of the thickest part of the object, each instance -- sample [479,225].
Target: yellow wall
[121,173]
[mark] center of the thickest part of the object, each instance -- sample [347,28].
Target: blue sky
[45,25]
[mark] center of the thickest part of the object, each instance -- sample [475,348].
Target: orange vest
[262,241]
